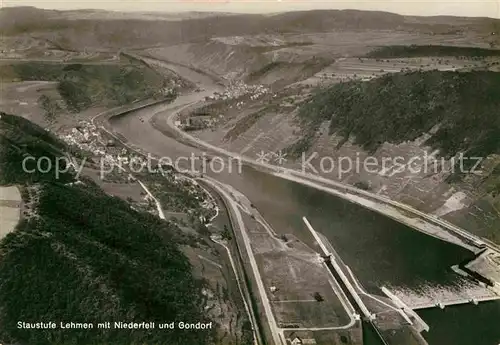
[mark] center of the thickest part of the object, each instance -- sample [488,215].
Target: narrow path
[157,202]
[210,261]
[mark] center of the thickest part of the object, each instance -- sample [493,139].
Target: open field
[120,188]
[10,201]
[22,98]
[297,280]
[363,68]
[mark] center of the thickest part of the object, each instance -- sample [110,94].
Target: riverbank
[399,212]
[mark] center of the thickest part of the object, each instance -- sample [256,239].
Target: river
[379,250]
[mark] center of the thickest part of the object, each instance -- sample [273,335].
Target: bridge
[334,266]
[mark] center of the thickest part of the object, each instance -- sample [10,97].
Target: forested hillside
[20,139]
[83,256]
[84,85]
[462,108]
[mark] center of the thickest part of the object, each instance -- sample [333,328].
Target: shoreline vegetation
[462,106]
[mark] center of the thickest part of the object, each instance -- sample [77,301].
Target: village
[236,95]
[116,164]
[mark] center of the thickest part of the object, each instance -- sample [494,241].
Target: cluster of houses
[235,90]
[87,137]
[238,89]
[196,122]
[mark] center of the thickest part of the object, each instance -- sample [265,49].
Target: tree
[203,230]
[318,297]
[362,185]
[226,234]
[74,95]
[50,107]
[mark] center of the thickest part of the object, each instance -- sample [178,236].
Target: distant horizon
[152,12]
[426,8]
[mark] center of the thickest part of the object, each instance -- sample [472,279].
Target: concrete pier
[333,264]
[325,253]
[409,311]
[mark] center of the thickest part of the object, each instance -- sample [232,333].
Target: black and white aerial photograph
[250,172]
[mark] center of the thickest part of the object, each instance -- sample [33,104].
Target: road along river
[379,250]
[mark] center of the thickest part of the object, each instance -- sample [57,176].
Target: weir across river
[445,301]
